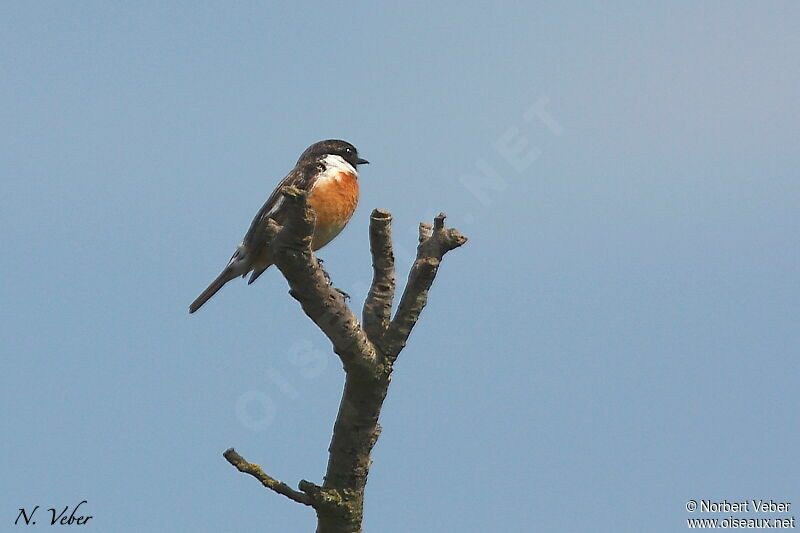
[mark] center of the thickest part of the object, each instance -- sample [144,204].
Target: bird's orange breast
[334,200]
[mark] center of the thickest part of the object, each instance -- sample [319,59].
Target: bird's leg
[328,279]
[324,272]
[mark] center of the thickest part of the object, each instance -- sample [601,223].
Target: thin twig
[271,483]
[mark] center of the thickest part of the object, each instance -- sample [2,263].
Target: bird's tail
[212,289]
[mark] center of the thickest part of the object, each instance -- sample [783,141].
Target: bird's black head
[343,149]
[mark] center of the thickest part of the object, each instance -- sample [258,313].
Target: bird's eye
[348,150]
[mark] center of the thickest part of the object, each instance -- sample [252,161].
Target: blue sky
[619,335]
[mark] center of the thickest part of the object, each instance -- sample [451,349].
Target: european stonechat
[327,170]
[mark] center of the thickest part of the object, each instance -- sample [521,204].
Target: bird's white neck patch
[338,163]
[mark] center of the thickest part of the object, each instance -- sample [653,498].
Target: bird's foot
[324,273]
[344,294]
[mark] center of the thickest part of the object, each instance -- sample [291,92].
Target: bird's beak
[362,161]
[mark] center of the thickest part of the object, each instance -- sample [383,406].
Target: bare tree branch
[271,483]
[433,244]
[310,286]
[378,305]
[367,353]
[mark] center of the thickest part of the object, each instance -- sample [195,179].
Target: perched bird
[327,170]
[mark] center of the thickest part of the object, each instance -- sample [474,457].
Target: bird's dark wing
[303,177]
[249,255]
